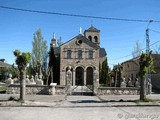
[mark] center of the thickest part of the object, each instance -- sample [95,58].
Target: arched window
[90,38]
[95,39]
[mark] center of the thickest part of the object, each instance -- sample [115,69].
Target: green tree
[59,42]
[22,59]
[146,62]
[39,50]
[104,69]
[117,69]
[53,67]
[7,70]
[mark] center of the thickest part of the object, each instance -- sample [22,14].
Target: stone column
[62,77]
[95,81]
[69,80]
[85,77]
[53,88]
[74,80]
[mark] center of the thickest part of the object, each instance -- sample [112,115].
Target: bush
[12,98]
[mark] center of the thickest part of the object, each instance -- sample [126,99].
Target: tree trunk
[143,88]
[22,84]
[116,80]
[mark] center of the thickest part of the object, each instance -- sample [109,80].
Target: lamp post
[147,37]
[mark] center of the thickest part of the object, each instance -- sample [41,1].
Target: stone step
[81,90]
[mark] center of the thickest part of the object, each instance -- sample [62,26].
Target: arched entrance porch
[89,76]
[79,79]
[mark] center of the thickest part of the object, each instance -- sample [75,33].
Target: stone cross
[80,30]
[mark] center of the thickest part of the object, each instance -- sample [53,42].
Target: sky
[117,37]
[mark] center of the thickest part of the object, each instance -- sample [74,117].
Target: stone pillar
[69,80]
[149,86]
[62,77]
[53,88]
[84,77]
[95,81]
[74,80]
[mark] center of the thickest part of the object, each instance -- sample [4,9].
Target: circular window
[79,42]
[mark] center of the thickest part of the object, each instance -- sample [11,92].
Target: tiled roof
[2,64]
[102,52]
[81,37]
[93,29]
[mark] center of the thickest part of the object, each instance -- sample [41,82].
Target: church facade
[82,55]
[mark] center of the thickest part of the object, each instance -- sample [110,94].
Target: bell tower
[93,35]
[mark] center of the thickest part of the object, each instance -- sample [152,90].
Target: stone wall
[118,91]
[61,90]
[36,89]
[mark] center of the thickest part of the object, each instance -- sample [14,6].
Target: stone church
[82,55]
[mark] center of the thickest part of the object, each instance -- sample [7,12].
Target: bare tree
[137,50]
[59,41]
[157,50]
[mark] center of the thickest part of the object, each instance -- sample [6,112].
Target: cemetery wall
[118,91]
[36,89]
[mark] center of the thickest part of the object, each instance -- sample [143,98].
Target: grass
[147,100]
[2,88]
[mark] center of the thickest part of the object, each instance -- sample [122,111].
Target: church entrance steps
[81,90]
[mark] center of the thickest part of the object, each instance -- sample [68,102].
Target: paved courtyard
[61,107]
[77,101]
[83,113]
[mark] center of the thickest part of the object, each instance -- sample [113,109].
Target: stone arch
[79,76]
[78,66]
[65,67]
[93,67]
[89,76]
[95,39]
[90,38]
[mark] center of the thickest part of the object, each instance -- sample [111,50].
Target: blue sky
[117,37]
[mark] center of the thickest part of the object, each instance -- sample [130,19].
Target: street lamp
[147,37]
